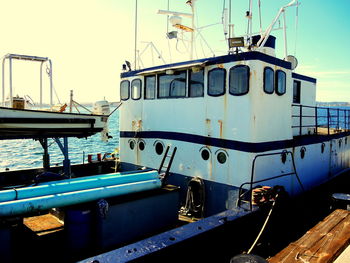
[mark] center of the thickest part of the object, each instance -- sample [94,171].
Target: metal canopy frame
[43,60]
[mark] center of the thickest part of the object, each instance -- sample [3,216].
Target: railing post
[328,120]
[338,119]
[300,119]
[316,120]
[344,120]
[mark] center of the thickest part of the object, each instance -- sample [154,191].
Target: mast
[192,4]
[135,44]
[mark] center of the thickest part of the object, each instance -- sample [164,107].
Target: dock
[326,242]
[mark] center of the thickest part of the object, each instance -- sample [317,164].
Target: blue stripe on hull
[253,147]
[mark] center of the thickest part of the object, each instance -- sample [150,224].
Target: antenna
[249,15]
[176,20]
[266,34]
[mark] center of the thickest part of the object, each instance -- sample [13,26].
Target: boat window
[159,147]
[268,80]
[205,154]
[239,80]
[196,86]
[296,91]
[216,82]
[150,87]
[221,157]
[124,90]
[280,82]
[136,89]
[172,85]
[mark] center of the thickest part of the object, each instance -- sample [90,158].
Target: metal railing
[306,118]
[242,193]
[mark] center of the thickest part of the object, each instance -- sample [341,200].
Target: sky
[89,40]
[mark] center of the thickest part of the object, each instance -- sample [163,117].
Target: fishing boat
[19,119]
[204,145]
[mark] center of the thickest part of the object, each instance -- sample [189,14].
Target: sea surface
[24,154]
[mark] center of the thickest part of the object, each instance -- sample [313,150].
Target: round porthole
[322,147]
[159,148]
[302,152]
[141,145]
[132,144]
[221,157]
[205,154]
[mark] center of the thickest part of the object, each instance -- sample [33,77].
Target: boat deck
[322,244]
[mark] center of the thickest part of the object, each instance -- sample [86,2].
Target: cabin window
[124,90]
[268,80]
[239,80]
[296,91]
[216,82]
[172,85]
[196,85]
[150,87]
[280,82]
[136,89]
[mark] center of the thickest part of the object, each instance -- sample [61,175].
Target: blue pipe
[76,184]
[98,176]
[39,203]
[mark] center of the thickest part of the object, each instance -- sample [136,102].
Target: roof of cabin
[245,56]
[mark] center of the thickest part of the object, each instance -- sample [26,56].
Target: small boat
[19,121]
[26,123]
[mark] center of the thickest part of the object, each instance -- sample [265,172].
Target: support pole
[3,81]
[41,84]
[10,80]
[51,84]
[64,150]
[46,156]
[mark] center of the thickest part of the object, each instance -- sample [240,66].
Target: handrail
[252,182]
[326,117]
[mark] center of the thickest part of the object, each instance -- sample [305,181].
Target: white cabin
[222,114]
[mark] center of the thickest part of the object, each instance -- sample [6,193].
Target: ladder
[167,166]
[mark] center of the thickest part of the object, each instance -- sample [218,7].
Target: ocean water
[24,154]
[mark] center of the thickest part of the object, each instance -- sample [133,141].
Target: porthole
[141,145]
[322,147]
[159,148]
[221,157]
[205,154]
[132,144]
[302,152]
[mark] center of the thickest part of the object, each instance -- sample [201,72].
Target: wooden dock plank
[43,224]
[322,244]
